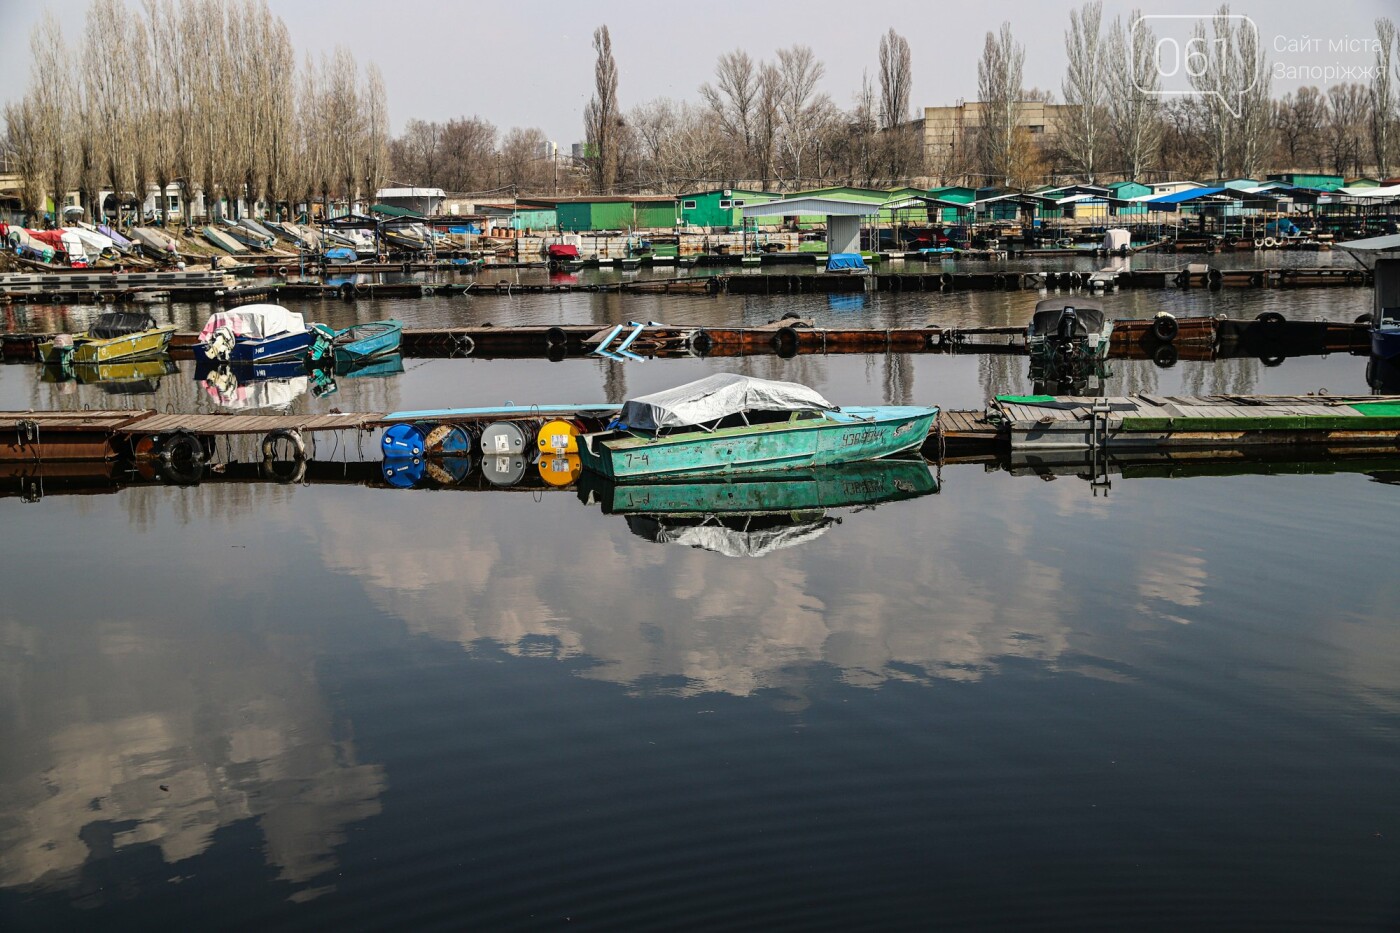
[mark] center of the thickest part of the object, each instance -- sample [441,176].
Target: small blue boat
[356,343]
[255,334]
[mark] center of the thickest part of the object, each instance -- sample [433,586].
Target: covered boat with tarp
[1068,329]
[255,333]
[729,423]
[115,335]
[847,264]
[563,256]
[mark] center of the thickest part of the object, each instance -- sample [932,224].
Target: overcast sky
[530,63]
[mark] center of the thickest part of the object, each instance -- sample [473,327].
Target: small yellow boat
[117,335]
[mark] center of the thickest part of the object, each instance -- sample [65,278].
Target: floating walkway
[1008,424]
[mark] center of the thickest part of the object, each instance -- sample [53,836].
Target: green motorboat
[731,424]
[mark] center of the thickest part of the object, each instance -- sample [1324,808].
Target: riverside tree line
[208,95]
[203,94]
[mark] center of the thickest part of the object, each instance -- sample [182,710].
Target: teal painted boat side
[807,439]
[836,486]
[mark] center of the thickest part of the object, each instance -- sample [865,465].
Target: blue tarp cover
[1180,197]
[841,261]
[342,253]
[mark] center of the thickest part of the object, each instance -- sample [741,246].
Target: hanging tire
[556,337]
[701,342]
[1258,242]
[1257,279]
[282,271]
[1270,242]
[182,458]
[347,292]
[1165,328]
[1355,277]
[785,342]
[428,291]
[294,472]
[1270,317]
[1272,361]
[291,436]
[1363,319]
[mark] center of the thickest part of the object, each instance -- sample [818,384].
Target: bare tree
[1347,127]
[1134,111]
[766,121]
[22,138]
[1084,88]
[899,142]
[277,110]
[1253,140]
[375,157]
[1298,122]
[601,115]
[345,117]
[1383,103]
[51,85]
[999,88]
[734,100]
[801,108]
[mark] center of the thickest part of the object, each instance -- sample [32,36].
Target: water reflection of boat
[738,535]
[131,377]
[243,388]
[854,484]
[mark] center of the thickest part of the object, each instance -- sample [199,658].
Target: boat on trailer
[731,424]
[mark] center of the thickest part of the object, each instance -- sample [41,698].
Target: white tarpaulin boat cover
[254,322]
[716,396]
[1117,238]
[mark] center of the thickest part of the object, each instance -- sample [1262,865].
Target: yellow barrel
[560,469]
[559,436]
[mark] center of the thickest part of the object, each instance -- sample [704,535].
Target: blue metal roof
[1181,197]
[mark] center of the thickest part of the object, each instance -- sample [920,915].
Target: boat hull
[838,486]
[276,347]
[847,436]
[142,344]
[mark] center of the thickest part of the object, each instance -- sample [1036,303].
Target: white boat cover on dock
[254,322]
[716,396]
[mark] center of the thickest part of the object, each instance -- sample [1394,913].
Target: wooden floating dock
[1153,421]
[1009,424]
[216,286]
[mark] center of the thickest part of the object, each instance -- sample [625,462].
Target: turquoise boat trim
[504,410]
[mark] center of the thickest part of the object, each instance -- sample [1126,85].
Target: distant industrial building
[950,133]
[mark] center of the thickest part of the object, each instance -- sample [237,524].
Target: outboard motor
[1068,320]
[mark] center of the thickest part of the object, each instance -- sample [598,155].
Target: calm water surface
[1011,703]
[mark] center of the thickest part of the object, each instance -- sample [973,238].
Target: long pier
[1196,338]
[1035,424]
[102,287]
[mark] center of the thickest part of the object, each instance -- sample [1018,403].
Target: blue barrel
[403,472]
[402,440]
[449,440]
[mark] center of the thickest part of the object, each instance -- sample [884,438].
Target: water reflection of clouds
[128,728]
[567,576]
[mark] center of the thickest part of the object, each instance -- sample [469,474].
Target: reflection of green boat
[864,483]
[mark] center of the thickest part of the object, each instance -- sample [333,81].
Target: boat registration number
[642,459]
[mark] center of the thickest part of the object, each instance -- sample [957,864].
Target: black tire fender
[1165,327]
[291,436]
